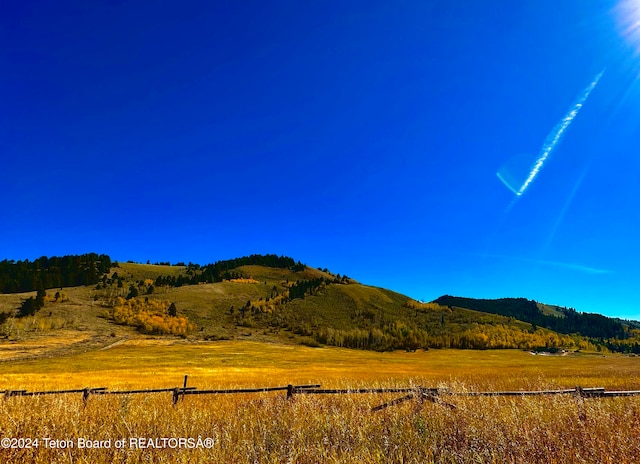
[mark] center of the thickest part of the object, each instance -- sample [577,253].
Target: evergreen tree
[4,316]
[133,292]
[172,311]
[40,296]
[30,306]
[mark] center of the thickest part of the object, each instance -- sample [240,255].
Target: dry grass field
[162,362]
[268,427]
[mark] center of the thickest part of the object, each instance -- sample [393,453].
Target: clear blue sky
[362,136]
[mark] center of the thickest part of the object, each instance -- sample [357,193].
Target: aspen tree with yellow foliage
[150,316]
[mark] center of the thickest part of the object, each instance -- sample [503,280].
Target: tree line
[224,270]
[301,287]
[400,335]
[53,272]
[587,324]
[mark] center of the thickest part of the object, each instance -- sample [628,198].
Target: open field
[269,428]
[162,362]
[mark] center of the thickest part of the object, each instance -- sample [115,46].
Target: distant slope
[551,310]
[562,320]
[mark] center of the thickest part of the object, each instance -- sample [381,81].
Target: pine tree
[133,292]
[172,311]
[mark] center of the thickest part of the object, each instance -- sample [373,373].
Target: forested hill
[568,321]
[88,269]
[53,272]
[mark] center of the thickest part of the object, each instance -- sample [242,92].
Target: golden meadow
[268,427]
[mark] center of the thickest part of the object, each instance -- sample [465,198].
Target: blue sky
[360,136]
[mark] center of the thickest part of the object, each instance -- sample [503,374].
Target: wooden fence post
[85,395]
[289,391]
[184,386]
[433,395]
[176,395]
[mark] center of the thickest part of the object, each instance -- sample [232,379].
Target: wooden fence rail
[348,391]
[434,395]
[53,392]
[134,392]
[609,394]
[597,391]
[290,389]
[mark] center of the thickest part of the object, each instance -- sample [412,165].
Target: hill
[311,306]
[562,320]
[265,298]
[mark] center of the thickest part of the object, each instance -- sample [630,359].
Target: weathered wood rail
[586,392]
[289,389]
[434,395]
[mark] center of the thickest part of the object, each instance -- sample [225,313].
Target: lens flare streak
[554,138]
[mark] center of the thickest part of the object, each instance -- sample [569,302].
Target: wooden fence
[434,395]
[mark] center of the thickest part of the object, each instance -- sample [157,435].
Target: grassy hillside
[550,310]
[135,271]
[275,301]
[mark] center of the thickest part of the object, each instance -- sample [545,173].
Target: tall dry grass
[268,428]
